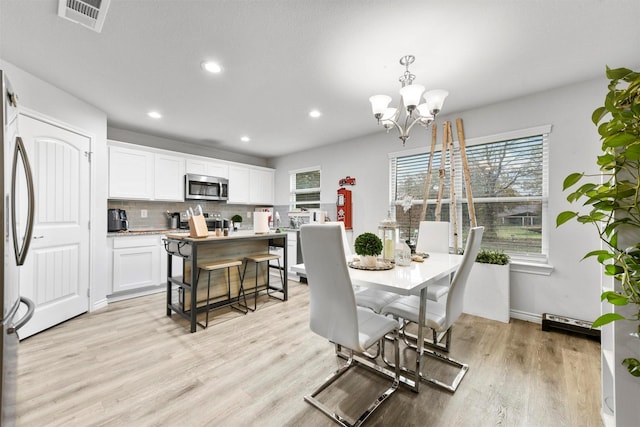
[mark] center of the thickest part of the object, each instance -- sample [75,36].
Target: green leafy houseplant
[613,196]
[488,256]
[368,244]
[236,219]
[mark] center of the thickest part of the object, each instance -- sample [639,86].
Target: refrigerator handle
[21,252]
[20,323]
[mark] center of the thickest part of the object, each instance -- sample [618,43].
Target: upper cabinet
[144,175]
[238,184]
[204,167]
[261,183]
[130,173]
[251,185]
[169,178]
[152,174]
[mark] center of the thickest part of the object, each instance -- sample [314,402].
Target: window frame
[293,191]
[461,196]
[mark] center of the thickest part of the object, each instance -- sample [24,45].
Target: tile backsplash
[157,211]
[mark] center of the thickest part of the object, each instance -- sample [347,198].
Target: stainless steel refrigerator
[17,222]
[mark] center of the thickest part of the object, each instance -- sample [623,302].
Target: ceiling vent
[89,13]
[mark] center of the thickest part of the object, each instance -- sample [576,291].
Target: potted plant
[488,288]
[237,220]
[612,197]
[368,246]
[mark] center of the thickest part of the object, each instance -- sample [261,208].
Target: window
[508,175]
[305,188]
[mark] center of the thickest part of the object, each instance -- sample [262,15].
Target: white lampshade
[411,95]
[389,114]
[435,100]
[423,111]
[379,104]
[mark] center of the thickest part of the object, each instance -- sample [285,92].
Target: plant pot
[488,291]
[368,260]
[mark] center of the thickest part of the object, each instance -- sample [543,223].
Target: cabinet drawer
[135,242]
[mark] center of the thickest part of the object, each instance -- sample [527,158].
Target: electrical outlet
[143,213]
[248,215]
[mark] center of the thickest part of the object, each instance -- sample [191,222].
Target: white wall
[40,96]
[573,288]
[181,146]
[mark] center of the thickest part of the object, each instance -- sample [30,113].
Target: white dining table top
[407,280]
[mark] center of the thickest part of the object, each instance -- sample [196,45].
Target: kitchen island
[186,294]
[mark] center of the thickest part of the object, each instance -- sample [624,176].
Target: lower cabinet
[136,262]
[139,265]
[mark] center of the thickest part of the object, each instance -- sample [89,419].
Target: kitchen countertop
[144,231]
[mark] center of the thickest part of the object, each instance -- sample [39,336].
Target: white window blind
[305,188]
[509,185]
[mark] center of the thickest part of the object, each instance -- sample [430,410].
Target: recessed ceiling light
[154,115]
[212,67]
[245,139]
[314,113]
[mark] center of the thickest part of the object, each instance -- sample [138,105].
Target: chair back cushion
[455,298]
[433,236]
[332,304]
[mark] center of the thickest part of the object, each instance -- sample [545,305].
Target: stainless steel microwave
[202,187]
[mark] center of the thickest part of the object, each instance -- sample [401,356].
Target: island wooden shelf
[187,299]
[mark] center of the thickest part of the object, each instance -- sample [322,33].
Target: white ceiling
[282,58]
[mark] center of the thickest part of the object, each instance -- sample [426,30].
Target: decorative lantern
[388,233]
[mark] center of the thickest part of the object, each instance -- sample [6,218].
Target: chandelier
[410,107]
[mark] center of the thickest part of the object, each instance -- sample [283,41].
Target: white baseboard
[134,294]
[97,305]
[528,317]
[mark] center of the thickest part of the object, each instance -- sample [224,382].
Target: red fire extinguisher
[344,207]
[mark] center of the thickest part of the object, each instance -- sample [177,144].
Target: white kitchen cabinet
[239,183]
[138,265]
[292,253]
[169,178]
[130,173]
[292,256]
[136,262]
[261,183]
[209,168]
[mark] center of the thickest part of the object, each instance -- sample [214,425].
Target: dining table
[413,279]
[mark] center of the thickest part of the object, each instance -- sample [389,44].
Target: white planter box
[487,292]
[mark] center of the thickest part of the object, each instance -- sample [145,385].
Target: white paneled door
[56,273]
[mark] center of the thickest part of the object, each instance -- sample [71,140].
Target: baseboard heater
[554,321]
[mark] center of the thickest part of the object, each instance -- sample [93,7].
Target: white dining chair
[440,316]
[334,314]
[433,236]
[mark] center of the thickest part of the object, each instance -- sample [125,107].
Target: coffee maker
[117,220]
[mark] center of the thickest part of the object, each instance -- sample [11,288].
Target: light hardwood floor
[130,365]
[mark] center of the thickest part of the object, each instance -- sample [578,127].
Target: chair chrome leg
[334,376]
[463,367]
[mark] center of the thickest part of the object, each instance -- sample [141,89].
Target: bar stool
[218,265]
[257,259]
